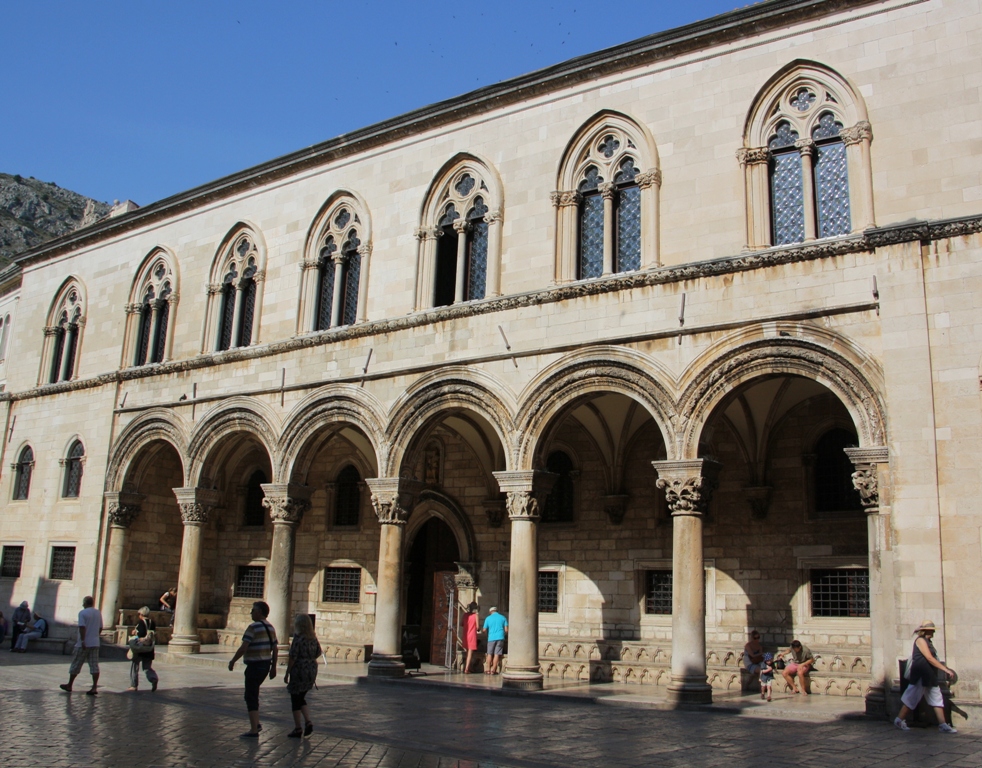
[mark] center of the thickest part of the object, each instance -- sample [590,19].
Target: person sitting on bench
[34,630]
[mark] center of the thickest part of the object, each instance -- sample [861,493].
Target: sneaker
[945,728]
[898,723]
[153,685]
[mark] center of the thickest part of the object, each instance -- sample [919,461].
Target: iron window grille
[658,593]
[840,592]
[548,592]
[342,585]
[251,581]
[62,564]
[11,561]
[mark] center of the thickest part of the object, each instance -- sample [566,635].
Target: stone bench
[57,645]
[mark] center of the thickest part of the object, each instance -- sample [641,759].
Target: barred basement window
[658,593]
[548,592]
[342,585]
[62,563]
[348,497]
[11,562]
[840,592]
[251,581]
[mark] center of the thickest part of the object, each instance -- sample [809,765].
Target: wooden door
[441,606]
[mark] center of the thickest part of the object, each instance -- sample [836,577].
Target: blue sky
[143,100]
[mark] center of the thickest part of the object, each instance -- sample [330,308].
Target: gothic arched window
[4,336]
[235,312]
[22,474]
[150,312]
[559,504]
[73,471]
[254,512]
[348,497]
[834,491]
[339,271]
[63,334]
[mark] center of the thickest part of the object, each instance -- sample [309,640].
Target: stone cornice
[771,257]
[751,21]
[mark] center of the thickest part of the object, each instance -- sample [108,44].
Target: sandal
[308,729]
[296,733]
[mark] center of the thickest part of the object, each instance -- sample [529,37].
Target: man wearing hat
[922,679]
[496,626]
[18,621]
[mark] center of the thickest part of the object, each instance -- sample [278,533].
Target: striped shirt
[261,638]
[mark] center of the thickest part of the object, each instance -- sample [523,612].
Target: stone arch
[606,120]
[333,404]
[236,414]
[431,504]
[825,358]
[156,424]
[593,370]
[454,387]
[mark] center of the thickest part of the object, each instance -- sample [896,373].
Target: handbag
[146,643]
[779,664]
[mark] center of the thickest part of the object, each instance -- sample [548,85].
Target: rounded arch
[591,371]
[156,424]
[232,416]
[432,504]
[634,139]
[454,387]
[335,404]
[832,93]
[825,358]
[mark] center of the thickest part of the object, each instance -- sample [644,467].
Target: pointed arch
[63,333]
[337,253]
[149,329]
[459,234]
[806,157]
[607,199]
[235,290]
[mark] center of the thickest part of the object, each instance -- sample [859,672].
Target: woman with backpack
[142,641]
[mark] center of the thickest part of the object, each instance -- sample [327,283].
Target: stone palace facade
[646,349]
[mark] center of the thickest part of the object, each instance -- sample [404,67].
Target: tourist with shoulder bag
[141,650]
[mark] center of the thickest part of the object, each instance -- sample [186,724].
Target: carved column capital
[753,155]
[565,199]
[286,502]
[365,249]
[492,217]
[51,330]
[649,179]
[213,288]
[866,479]
[525,492]
[861,131]
[805,147]
[461,226]
[616,507]
[759,499]
[123,508]
[339,258]
[607,190]
[466,577]
[688,485]
[133,309]
[196,504]
[393,498]
[308,264]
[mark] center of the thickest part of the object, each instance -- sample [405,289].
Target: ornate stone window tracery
[73,471]
[235,294]
[807,175]
[607,204]
[23,469]
[460,237]
[151,311]
[63,334]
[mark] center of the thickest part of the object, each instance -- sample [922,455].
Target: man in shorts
[87,646]
[496,626]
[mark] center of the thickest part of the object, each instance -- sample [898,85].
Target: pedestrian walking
[259,649]
[496,625]
[922,679]
[470,635]
[301,673]
[87,646]
[141,653]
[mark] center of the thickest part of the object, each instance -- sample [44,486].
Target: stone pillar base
[685,692]
[184,644]
[876,704]
[522,679]
[386,666]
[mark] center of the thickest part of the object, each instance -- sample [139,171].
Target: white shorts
[914,693]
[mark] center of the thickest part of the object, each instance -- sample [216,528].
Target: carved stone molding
[309,264]
[495,511]
[616,507]
[123,508]
[607,190]
[861,131]
[688,485]
[805,147]
[286,502]
[466,577]
[759,499]
[865,478]
[461,226]
[492,217]
[753,155]
[563,199]
[213,288]
[365,249]
[196,504]
[525,492]
[393,498]
[649,179]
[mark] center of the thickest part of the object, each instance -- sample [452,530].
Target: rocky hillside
[33,211]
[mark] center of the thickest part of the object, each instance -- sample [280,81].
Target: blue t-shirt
[495,624]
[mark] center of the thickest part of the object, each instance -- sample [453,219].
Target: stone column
[393,499]
[460,287]
[196,505]
[806,149]
[857,140]
[236,339]
[608,191]
[649,183]
[567,204]
[493,284]
[286,503]
[337,298]
[756,195]
[121,509]
[525,493]
[364,274]
[871,479]
[688,487]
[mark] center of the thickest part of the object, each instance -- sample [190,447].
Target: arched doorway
[431,564]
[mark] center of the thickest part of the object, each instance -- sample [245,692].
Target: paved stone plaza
[197,715]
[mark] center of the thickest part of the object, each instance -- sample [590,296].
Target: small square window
[342,585]
[251,581]
[62,563]
[548,592]
[11,562]
[840,592]
[658,593]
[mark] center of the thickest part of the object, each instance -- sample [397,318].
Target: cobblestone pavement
[194,720]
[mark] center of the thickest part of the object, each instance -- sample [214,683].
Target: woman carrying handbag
[144,637]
